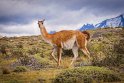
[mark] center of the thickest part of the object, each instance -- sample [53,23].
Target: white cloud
[20,30]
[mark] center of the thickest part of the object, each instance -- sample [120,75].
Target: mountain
[51,32]
[87,27]
[112,22]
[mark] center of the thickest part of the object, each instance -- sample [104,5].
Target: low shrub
[5,70]
[20,69]
[87,74]
[19,45]
[34,50]
[18,52]
[3,49]
[43,61]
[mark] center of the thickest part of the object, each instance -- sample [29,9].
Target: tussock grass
[20,69]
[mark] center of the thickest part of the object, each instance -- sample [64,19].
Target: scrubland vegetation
[27,60]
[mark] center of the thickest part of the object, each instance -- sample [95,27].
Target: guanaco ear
[43,20]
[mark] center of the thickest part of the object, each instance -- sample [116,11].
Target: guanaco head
[40,23]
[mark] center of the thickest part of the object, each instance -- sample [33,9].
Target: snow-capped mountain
[112,22]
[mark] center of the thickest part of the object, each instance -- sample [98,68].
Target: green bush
[87,74]
[34,50]
[17,52]
[3,49]
[20,69]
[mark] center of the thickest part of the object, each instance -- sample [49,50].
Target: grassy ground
[46,75]
[106,47]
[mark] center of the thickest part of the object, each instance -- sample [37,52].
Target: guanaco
[65,39]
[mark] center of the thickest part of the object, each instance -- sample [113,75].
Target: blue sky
[19,17]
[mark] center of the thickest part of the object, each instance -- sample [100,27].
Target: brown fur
[87,34]
[65,35]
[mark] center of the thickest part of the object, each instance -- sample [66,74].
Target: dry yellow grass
[30,77]
[7,62]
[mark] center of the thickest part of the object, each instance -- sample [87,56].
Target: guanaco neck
[44,32]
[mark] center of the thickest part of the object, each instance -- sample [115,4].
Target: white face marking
[69,43]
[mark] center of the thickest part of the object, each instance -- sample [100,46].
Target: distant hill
[87,27]
[51,32]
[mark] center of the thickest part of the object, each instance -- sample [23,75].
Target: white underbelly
[69,43]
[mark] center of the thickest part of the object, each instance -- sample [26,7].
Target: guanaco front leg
[53,54]
[59,54]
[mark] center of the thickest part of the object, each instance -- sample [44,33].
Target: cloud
[59,14]
[20,30]
[23,11]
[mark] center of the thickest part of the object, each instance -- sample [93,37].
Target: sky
[19,17]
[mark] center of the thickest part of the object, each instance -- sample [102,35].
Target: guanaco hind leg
[75,52]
